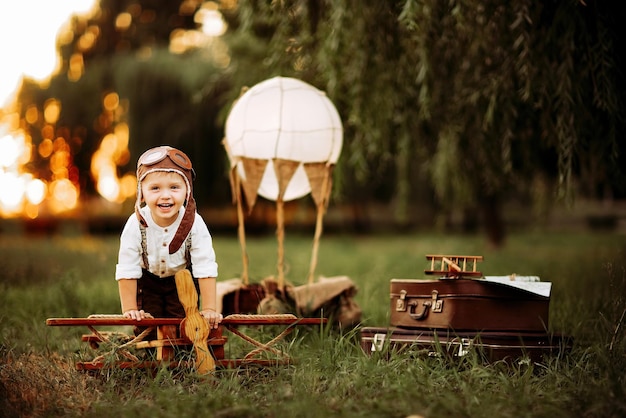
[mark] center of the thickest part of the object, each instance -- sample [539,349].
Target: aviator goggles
[158,154]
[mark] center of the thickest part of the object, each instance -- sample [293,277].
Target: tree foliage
[172,99]
[476,101]
[459,104]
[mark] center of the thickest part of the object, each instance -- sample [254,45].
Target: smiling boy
[163,236]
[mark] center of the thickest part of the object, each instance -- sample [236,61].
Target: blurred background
[470,115]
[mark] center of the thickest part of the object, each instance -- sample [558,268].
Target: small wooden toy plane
[454,266]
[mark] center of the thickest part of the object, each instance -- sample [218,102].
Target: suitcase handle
[423,314]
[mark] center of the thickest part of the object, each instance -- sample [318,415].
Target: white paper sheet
[529,283]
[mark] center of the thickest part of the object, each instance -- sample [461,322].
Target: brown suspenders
[144,248]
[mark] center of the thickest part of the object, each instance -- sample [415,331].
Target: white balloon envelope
[286,119]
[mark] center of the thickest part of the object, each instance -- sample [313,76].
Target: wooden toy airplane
[171,334]
[192,330]
[454,266]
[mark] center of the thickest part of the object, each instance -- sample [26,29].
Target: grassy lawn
[73,276]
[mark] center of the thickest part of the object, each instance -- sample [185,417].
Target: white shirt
[161,262]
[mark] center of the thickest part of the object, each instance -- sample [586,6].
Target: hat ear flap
[142,221]
[138,203]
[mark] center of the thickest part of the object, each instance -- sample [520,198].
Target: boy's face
[164,194]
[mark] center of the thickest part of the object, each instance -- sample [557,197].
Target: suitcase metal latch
[401,302]
[437,303]
[378,342]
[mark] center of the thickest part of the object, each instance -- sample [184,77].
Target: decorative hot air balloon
[283,137]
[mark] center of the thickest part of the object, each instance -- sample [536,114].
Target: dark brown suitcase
[466,305]
[244,300]
[491,346]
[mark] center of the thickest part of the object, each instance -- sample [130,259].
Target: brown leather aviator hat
[168,159]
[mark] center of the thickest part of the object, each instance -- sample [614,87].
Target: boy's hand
[213,318]
[137,315]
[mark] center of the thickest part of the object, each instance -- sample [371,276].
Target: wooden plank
[166,332]
[454,274]
[240,320]
[439,256]
[116,321]
[222,363]
[91,338]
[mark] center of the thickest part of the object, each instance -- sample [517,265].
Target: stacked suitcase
[500,318]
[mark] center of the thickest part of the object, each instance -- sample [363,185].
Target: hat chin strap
[185,225]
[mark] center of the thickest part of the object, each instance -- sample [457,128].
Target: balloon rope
[321,209]
[241,230]
[280,235]
[316,241]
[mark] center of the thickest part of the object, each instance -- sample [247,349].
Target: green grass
[63,277]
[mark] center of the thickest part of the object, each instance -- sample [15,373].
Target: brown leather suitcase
[462,304]
[490,346]
[244,300]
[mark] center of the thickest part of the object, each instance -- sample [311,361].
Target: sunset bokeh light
[31,33]
[28,39]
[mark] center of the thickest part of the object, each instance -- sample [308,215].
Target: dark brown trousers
[159,297]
